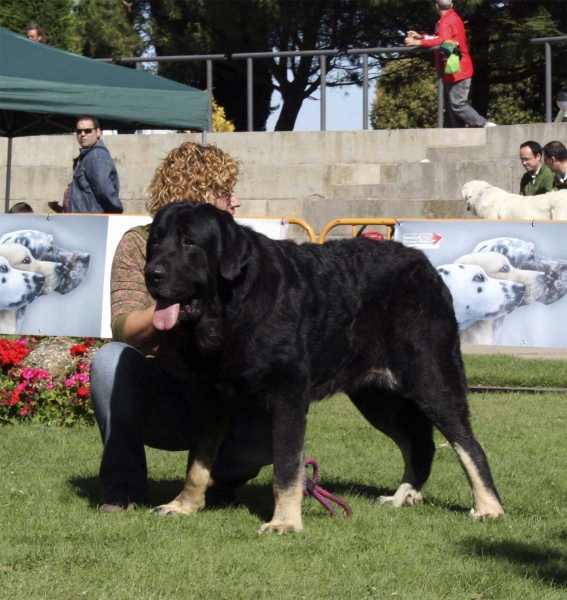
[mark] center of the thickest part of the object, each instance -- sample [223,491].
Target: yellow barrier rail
[292,221]
[389,223]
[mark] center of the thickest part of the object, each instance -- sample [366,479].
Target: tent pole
[8,175]
[204,137]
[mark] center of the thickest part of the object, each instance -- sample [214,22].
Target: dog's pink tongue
[165,315]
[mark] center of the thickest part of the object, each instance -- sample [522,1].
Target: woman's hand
[139,330]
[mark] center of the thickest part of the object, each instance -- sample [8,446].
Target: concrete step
[434,181]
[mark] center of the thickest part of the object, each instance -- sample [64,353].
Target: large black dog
[278,324]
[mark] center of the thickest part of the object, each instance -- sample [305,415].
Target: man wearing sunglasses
[95,186]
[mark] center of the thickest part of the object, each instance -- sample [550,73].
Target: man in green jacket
[538,178]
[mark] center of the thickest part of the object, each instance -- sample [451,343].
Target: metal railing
[323,54]
[207,58]
[549,70]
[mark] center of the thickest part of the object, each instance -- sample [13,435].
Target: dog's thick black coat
[278,325]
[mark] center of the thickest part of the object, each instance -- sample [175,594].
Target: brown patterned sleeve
[127,286]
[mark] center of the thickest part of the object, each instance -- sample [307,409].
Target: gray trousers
[460,112]
[137,404]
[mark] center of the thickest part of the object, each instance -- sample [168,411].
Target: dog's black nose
[38,278]
[59,268]
[155,274]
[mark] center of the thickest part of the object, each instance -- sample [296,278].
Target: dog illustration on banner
[498,277]
[33,257]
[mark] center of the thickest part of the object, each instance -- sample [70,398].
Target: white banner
[508,279]
[55,270]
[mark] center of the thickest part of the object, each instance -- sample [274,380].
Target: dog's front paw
[407,498]
[176,508]
[281,527]
[484,515]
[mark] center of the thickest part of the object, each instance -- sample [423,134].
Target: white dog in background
[490,202]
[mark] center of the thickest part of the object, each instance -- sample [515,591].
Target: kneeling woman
[141,393]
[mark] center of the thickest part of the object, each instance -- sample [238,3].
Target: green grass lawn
[502,370]
[54,544]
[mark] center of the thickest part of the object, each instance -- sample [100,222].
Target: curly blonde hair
[192,172]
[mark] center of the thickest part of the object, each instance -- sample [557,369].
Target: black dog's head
[191,247]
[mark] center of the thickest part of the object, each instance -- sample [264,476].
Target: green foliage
[509,81]
[110,28]
[55,17]
[402,105]
[508,85]
[220,122]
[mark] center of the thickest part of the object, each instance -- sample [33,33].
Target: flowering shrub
[12,353]
[32,394]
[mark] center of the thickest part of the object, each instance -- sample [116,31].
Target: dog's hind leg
[289,424]
[402,421]
[444,403]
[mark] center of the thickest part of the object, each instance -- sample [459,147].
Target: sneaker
[490,124]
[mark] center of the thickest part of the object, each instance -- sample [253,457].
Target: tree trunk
[292,103]
[479,27]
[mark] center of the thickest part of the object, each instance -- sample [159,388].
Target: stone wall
[316,176]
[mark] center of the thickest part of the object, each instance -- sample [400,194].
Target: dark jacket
[95,187]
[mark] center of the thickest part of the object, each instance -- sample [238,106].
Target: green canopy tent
[43,90]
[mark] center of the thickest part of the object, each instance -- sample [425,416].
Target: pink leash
[310,488]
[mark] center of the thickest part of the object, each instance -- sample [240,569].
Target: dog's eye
[187,241]
[505,269]
[478,278]
[26,261]
[3,269]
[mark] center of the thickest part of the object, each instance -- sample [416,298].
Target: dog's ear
[236,247]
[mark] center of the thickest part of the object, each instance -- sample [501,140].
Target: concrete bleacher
[315,176]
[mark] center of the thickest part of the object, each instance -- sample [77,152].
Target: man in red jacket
[457,85]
